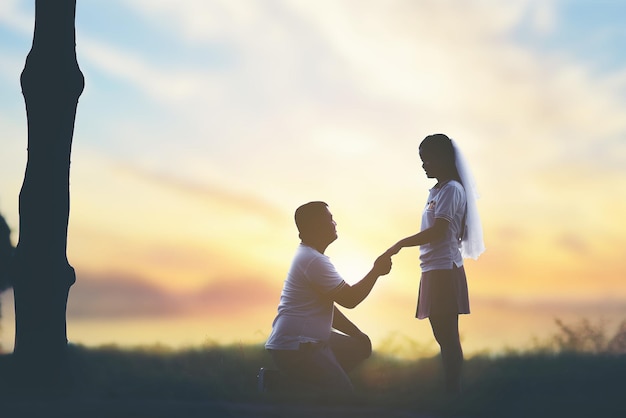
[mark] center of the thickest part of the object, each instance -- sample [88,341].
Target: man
[305,348]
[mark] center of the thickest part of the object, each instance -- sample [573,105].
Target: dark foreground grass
[539,384]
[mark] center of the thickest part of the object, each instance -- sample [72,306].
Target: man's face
[327,228]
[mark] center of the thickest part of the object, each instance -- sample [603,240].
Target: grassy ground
[515,385]
[574,379]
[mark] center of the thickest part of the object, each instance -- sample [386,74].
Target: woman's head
[438,157]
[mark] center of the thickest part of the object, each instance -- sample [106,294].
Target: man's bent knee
[365,348]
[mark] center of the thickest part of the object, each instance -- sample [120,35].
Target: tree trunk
[6,253]
[51,84]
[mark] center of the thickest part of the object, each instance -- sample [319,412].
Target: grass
[567,377]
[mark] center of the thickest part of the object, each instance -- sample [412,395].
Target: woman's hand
[393,250]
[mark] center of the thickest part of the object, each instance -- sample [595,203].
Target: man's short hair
[308,216]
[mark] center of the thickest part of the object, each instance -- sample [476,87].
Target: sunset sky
[205,123]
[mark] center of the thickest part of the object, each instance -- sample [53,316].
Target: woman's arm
[432,234]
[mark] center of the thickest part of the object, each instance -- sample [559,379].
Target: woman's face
[433,164]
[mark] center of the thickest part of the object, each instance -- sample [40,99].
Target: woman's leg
[446,332]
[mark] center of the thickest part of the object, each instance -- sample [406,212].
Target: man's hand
[382,265]
[350,296]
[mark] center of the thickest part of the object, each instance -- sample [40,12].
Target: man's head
[315,223]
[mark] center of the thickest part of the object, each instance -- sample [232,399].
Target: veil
[472,244]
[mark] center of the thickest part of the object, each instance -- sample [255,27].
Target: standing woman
[450,231]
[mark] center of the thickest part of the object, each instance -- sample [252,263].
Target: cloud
[573,243]
[550,304]
[14,18]
[166,86]
[235,297]
[118,296]
[202,21]
[242,202]
[437,68]
[121,296]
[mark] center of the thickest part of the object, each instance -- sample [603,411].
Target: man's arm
[350,296]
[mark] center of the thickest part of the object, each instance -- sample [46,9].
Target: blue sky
[592,31]
[203,124]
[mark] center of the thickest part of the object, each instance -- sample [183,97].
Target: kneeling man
[304,342]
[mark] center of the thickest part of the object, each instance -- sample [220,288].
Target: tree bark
[51,84]
[6,254]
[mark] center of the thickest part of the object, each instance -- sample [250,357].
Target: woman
[450,231]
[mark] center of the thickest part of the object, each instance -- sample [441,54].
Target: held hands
[393,250]
[382,265]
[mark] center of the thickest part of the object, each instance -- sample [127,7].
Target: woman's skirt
[443,292]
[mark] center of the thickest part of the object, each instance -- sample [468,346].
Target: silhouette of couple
[314,345]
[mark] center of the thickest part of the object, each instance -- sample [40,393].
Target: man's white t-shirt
[447,202]
[305,311]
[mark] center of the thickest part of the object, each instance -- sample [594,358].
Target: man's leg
[313,368]
[350,351]
[446,332]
